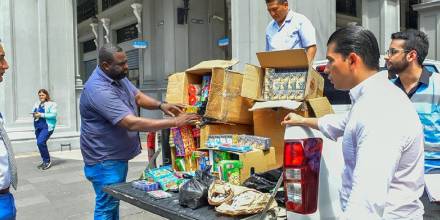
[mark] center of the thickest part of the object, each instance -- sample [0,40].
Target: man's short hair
[279,1]
[358,40]
[414,40]
[107,51]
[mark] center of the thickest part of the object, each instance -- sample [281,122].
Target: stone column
[39,41]
[382,17]
[429,22]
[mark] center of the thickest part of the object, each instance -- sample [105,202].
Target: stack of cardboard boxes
[254,102]
[285,82]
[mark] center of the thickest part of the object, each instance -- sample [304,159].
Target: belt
[4,191]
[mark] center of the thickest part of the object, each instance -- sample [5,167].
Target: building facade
[53,44]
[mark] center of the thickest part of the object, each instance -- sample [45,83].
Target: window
[126,33]
[89,66]
[408,17]
[89,46]
[346,7]
[86,9]
[109,3]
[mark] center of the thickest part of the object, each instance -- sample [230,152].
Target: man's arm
[297,120]
[147,102]
[311,52]
[332,126]
[134,123]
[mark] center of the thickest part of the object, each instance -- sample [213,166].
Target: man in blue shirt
[110,125]
[289,30]
[8,171]
[405,56]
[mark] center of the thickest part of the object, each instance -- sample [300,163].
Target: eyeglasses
[390,52]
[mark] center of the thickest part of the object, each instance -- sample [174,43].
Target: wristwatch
[161,103]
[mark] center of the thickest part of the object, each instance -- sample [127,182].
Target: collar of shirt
[106,78]
[357,91]
[423,80]
[288,19]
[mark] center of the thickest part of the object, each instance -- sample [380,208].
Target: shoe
[46,165]
[41,165]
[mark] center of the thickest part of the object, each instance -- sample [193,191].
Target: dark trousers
[43,135]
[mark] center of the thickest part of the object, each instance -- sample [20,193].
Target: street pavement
[62,192]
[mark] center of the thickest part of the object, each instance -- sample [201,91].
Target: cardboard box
[225,102]
[269,115]
[253,82]
[257,160]
[212,129]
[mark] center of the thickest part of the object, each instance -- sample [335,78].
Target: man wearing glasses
[408,50]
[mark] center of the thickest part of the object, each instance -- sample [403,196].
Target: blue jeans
[43,135]
[101,175]
[7,207]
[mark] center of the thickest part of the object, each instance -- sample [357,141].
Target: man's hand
[186,119]
[293,119]
[171,109]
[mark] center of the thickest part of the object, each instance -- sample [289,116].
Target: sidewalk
[62,192]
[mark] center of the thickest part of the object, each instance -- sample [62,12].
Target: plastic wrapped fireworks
[255,142]
[284,84]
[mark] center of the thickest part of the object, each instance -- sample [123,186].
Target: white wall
[39,41]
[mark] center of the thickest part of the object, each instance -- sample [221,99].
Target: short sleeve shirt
[296,32]
[103,104]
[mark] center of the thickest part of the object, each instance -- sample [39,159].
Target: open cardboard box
[225,102]
[253,82]
[257,161]
[212,129]
[269,115]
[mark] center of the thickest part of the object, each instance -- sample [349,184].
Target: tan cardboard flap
[253,81]
[206,66]
[315,85]
[320,106]
[295,58]
[176,84]
[225,102]
[286,104]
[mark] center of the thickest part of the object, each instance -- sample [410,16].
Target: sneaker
[46,165]
[41,165]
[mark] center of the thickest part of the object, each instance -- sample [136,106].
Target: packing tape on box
[228,96]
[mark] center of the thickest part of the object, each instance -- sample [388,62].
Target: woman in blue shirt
[45,119]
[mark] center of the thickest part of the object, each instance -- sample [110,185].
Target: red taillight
[301,174]
[320,68]
[293,154]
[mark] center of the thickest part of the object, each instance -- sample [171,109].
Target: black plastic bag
[266,182]
[194,193]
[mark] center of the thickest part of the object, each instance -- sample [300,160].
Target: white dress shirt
[383,152]
[5,177]
[296,32]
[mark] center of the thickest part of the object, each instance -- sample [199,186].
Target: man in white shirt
[383,150]
[289,30]
[7,168]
